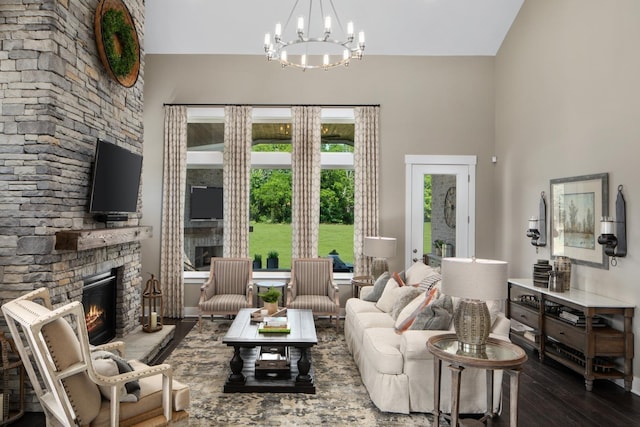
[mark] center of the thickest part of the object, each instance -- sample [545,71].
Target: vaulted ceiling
[392,27]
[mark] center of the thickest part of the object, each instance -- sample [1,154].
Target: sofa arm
[413,344]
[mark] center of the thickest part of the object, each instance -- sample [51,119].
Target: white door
[440,206]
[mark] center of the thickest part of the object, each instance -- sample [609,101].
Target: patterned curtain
[236,180]
[366,164]
[173,189]
[305,165]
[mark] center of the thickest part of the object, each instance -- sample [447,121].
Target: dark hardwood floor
[550,395]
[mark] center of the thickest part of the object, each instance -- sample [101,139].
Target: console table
[600,332]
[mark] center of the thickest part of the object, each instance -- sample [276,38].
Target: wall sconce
[537,229]
[615,241]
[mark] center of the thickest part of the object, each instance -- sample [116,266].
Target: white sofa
[397,369]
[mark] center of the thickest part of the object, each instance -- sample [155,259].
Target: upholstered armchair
[312,287]
[72,385]
[228,289]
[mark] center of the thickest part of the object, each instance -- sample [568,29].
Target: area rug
[202,361]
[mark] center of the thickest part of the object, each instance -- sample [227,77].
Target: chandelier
[314,47]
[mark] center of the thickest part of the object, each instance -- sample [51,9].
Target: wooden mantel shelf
[81,240]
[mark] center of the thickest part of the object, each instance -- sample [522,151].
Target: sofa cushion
[356,305]
[406,294]
[389,296]
[378,288]
[381,348]
[436,315]
[431,280]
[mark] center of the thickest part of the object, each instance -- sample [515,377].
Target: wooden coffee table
[246,341]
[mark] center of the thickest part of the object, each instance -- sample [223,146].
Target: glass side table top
[497,353]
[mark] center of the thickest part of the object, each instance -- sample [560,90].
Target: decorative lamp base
[378,266]
[473,324]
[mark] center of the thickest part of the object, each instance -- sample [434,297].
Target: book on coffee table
[274,325]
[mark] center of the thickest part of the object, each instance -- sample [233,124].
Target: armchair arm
[250,292]
[291,292]
[207,290]
[117,346]
[117,381]
[334,291]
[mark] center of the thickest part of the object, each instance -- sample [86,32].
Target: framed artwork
[577,205]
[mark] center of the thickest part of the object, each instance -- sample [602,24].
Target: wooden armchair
[312,287]
[228,289]
[71,390]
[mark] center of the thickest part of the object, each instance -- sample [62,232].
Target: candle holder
[152,307]
[537,228]
[613,234]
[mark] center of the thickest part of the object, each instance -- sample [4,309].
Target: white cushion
[388,297]
[108,368]
[417,272]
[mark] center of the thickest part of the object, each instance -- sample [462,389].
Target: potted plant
[438,245]
[257,262]
[270,299]
[272,259]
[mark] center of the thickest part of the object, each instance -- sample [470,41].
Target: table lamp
[474,281]
[380,248]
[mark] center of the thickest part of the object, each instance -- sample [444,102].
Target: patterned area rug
[202,361]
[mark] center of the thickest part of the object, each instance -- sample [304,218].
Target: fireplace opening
[99,302]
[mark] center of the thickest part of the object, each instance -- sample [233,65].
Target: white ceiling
[392,27]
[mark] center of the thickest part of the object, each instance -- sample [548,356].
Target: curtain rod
[272,105]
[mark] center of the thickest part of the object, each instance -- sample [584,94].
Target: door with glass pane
[441,202]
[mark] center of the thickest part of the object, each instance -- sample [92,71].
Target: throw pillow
[410,308]
[378,288]
[399,280]
[430,281]
[435,316]
[388,297]
[109,364]
[417,272]
[405,324]
[406,295]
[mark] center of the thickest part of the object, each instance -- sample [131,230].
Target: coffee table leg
[304,365]
[236,366]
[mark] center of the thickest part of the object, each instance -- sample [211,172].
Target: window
[270,197]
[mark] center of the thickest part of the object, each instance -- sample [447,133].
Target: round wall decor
[450,207]
[117,41]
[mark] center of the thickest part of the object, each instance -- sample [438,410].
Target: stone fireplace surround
[56,100]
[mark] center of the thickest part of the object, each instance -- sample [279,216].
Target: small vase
[271,307]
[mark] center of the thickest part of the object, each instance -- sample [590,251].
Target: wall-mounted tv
[206,203]
[116,180]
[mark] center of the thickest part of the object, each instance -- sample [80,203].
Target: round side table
[498,355]
[273,285]
[358,282]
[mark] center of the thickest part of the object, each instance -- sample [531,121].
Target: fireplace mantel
[81,240]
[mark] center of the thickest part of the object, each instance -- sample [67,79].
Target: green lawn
[270,237]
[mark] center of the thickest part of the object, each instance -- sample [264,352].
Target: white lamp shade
[380,247]
[481,279]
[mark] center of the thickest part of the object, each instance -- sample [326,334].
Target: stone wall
[56,100]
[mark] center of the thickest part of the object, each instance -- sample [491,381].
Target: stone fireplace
[56,100]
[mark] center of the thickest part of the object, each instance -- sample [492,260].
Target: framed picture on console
[577,204]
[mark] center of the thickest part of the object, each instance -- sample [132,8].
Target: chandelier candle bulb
[278,31]
[361,38]
[325,60]
[327,24]
[300,24]
[267,40]
[350,29]
[345,54]
[303,60]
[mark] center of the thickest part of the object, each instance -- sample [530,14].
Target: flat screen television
[206,203]
[116,180]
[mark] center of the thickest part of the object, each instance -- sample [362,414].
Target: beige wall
[428,106]
[567,104]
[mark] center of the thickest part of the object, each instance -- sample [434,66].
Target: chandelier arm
[293,9]
[337,17]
